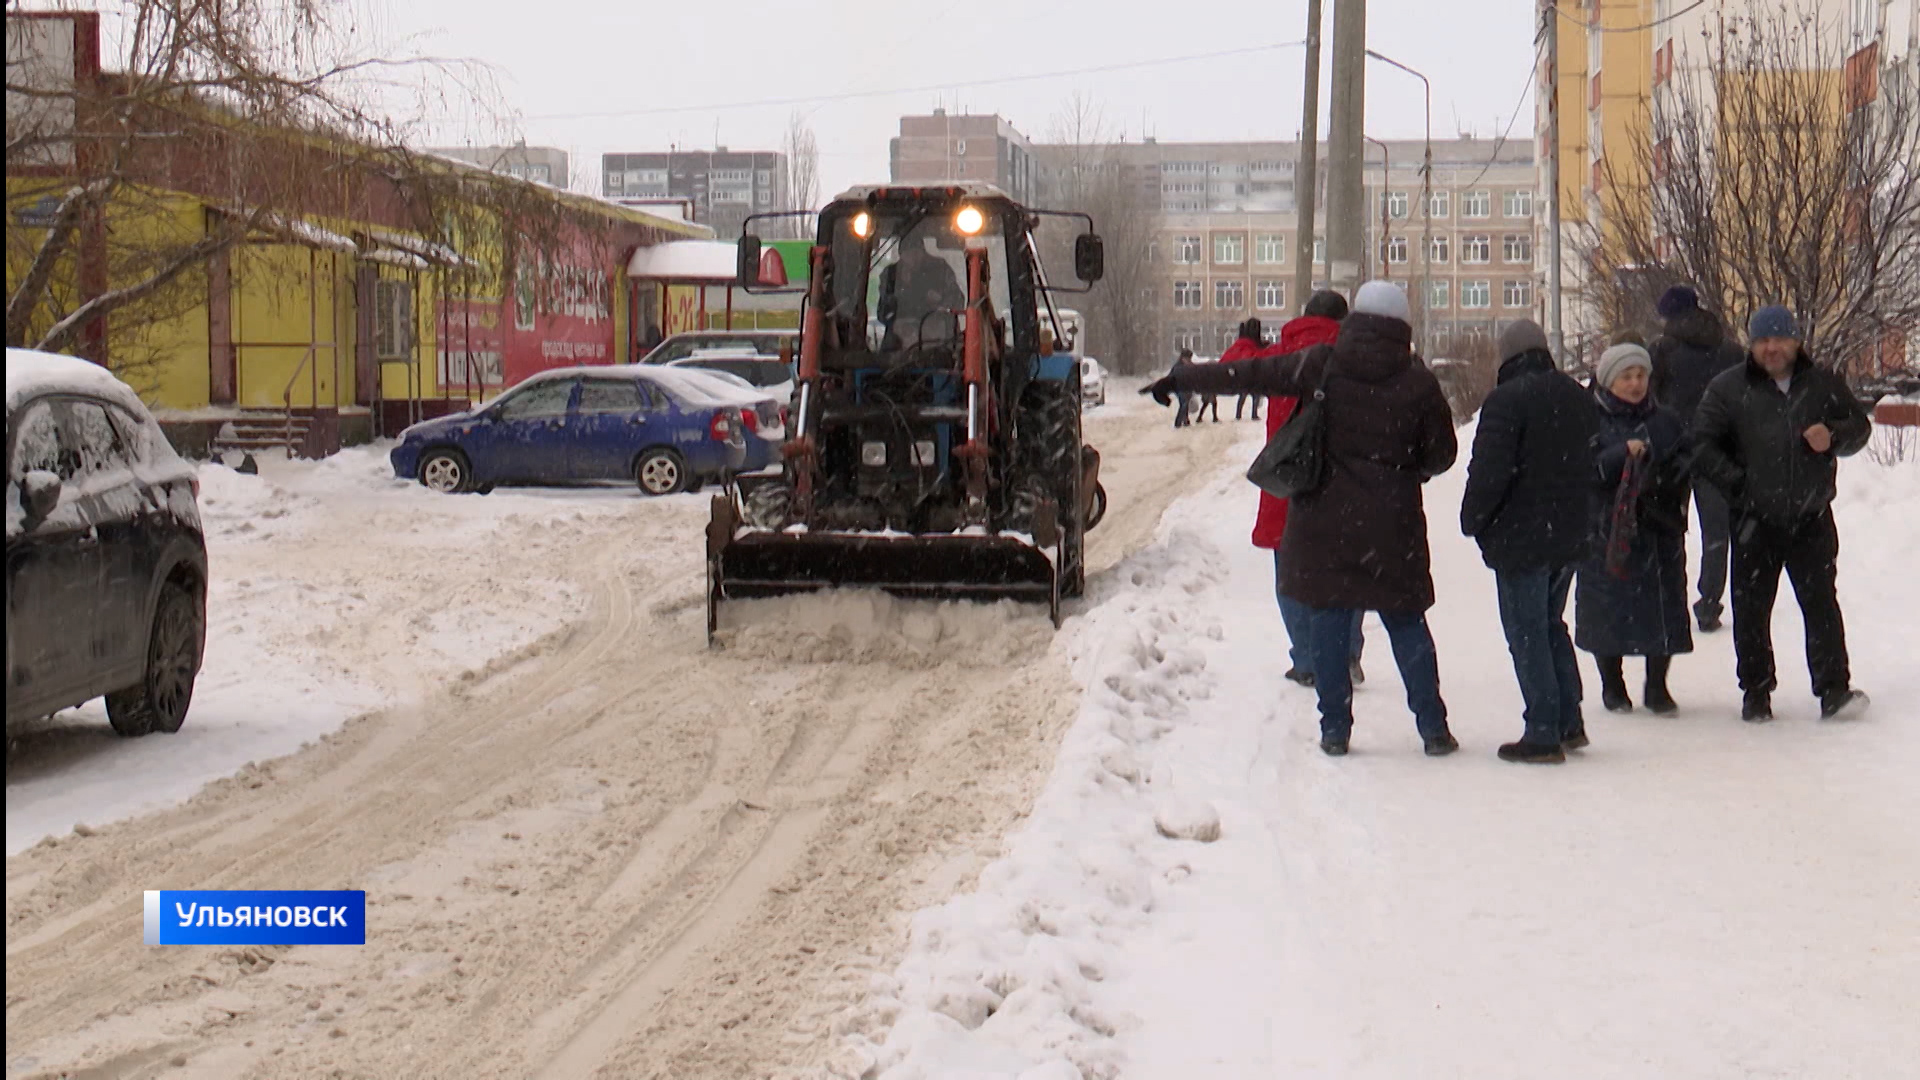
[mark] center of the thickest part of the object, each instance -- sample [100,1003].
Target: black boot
[1707,614]
[1533,753]
[1659,701]
[1442,744]
[1613,684]
[1757,708]
[1842,704]
[1354,674]
[1304,678]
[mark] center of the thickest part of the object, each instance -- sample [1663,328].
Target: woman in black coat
[1631,599]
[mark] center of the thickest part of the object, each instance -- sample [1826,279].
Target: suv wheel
[159,702]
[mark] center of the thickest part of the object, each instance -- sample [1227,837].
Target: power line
[769,103]
[1532,70]
[1596,28]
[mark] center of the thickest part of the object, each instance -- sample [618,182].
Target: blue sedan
[581,425]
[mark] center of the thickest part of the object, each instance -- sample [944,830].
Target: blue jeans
[1533,606]
[1296,617]
[1332,638]
[1182,403]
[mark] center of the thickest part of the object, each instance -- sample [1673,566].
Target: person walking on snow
[1319,324]
[1693,350]
[1182,416]
[1631,600]
[1359,541]
[1251,342]
[1527,505]
[1769,434]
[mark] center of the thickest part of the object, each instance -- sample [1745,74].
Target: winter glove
[1162,389]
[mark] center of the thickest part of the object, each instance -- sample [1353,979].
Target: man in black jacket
[1768,435]
[1686,358]
[1528,504]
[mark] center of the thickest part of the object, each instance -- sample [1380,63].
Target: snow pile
[866,626]
[1000,982]
[334,590]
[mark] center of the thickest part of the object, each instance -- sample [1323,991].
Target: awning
[699,262]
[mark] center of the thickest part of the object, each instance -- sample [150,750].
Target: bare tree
[1773,170]
[802,152]
[1089,176]
[256,110]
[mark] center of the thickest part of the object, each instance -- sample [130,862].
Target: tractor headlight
[873,454]
[923,454]
[863,225]
[969,221]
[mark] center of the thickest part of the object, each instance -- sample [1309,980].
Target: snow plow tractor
[933,451]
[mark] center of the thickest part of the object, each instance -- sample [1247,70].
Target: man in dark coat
[1527,503]
[1769,434]
[1359,542]
[1694,349]
[1182,416]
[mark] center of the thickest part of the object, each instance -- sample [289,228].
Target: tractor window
[914,285]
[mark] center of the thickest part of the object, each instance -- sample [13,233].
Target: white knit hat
[1616,361]
[1382,298]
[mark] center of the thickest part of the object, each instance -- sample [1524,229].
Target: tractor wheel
[1049,450]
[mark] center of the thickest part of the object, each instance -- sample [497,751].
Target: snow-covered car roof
[705,387]
[31,373]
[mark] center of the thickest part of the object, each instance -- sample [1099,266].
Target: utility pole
[1307,183]
[1346,146]
[1550,26]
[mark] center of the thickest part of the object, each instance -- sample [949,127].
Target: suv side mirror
[746,265]
[39,494]
[1089,257]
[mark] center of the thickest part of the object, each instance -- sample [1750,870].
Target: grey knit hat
[1618,360]
[1382,298]
[1520,337]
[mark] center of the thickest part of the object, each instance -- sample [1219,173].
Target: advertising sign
[472,343]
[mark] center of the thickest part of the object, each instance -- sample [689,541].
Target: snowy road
[606,848]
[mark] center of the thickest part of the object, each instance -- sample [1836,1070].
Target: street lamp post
[1386,216]
[1426,200]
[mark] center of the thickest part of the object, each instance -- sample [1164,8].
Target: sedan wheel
[444,471]
[661,472]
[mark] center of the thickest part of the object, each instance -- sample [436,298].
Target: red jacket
[1301,333]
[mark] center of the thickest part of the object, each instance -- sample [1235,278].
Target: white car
[766,373]
[1093,382]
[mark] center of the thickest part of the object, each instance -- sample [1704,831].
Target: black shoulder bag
[1294,461]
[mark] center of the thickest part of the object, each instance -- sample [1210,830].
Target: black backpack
[1294,461]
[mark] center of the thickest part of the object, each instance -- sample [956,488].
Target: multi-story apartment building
[983,149]
[1225,245]
[724,186]
[544,164]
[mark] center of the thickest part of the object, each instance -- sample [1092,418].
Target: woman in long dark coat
[1631,599]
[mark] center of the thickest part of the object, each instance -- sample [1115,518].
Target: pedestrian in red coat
[1318,325]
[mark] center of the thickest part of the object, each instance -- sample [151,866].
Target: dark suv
[106,561]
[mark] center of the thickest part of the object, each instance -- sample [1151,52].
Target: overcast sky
[593,76]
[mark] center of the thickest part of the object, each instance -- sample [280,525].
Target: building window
[1270,248]
[1442,251]
[1186,295]
[1476,249]
[764,177]
[1229,249]
[1476,294]
[1439,295]
[1397,250]
[1517,248]
[1441,205]
[1518,294]
[1396,204]
[1476,204]
[1319,250]
[1230,295]
[393,319]
[1270,295]
[1518,204]
[1186,249]
[1186,338]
